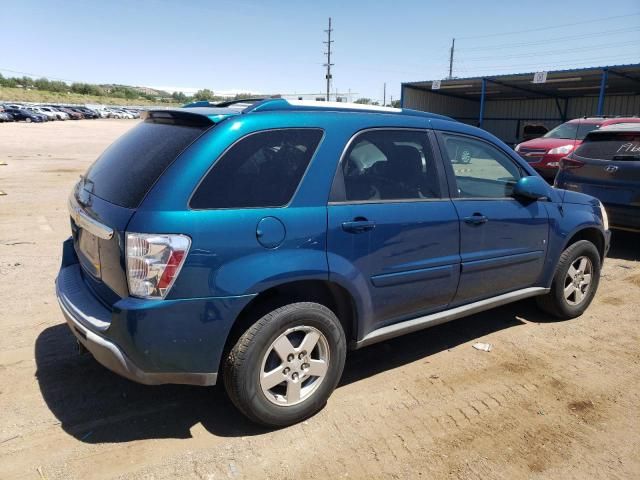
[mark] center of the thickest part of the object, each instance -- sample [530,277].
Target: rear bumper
[111,357]
[623,217]
[149,342]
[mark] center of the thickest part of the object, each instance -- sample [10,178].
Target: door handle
[476,219]
[358,225]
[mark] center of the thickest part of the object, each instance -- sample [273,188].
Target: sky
[276,46]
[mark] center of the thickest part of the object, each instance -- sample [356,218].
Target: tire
[557,302]
[300,394]
[28,119]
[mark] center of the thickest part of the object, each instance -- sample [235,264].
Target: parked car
[87,112]
[133,113]
[544,153]
[607,166]
[101,111]
[59,115]
[21,114]
[256,247]
[49,115]
[5,117]
[73,114]
[120,113]
[114,113]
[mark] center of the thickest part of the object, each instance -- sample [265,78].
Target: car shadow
[624,245]
[96,406]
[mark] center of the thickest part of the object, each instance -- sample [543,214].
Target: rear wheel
[575,281]
[286,365]
[28,119]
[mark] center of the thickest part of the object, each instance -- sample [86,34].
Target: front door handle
[476,219]
[358,225]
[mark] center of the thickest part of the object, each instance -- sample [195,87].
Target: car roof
[216,114]
[618,127]
[604,120]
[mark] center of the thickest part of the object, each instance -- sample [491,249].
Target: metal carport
[502,104]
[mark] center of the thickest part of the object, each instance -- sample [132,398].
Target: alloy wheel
[578,280]
[294,365]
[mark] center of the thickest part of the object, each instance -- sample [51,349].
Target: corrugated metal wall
[435,103]
[613,105]
[504,118]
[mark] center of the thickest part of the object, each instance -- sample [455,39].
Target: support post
[603,86]
[482,95]
[402,95]
[453,46]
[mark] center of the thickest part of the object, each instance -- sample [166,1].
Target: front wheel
[574,283]
[28,120]
[286,365]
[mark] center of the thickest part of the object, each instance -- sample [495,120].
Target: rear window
[611,146]
[127,170]
[261,170]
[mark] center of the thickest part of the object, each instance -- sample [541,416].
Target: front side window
[388,165]
[261,170]
[481,170]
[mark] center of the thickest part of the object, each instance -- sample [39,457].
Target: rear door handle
[358,225]
[476,219]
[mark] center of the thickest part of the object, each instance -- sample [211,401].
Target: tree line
[117,91]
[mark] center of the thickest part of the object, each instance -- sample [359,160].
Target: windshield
[572,130]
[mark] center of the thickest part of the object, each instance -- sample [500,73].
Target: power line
[551,40]
[551,27]
[551,52]
[562,64]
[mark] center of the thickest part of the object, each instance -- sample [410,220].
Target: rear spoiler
[177,117]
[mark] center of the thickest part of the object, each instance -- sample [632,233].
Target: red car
[544,153]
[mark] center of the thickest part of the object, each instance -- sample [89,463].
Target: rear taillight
[154,262]
[568,163]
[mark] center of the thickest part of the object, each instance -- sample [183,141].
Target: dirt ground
[551,400]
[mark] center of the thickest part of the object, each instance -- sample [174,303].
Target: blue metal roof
[595,70]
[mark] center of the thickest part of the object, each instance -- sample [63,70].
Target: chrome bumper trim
[86,222]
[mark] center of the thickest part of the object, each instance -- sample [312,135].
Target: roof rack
[280,104]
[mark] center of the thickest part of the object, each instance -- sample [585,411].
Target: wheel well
[593,235]
[329,294]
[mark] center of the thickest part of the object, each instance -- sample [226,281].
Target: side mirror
[533,188]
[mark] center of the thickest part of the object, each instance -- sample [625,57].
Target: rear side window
[611,146]
[383,165]
[127,170]
[261,170]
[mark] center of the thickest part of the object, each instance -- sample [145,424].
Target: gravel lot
[551,400]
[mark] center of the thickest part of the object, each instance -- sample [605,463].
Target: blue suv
[259,245]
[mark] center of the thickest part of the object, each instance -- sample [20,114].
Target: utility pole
[328,54]
[384,95]
[453,46]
